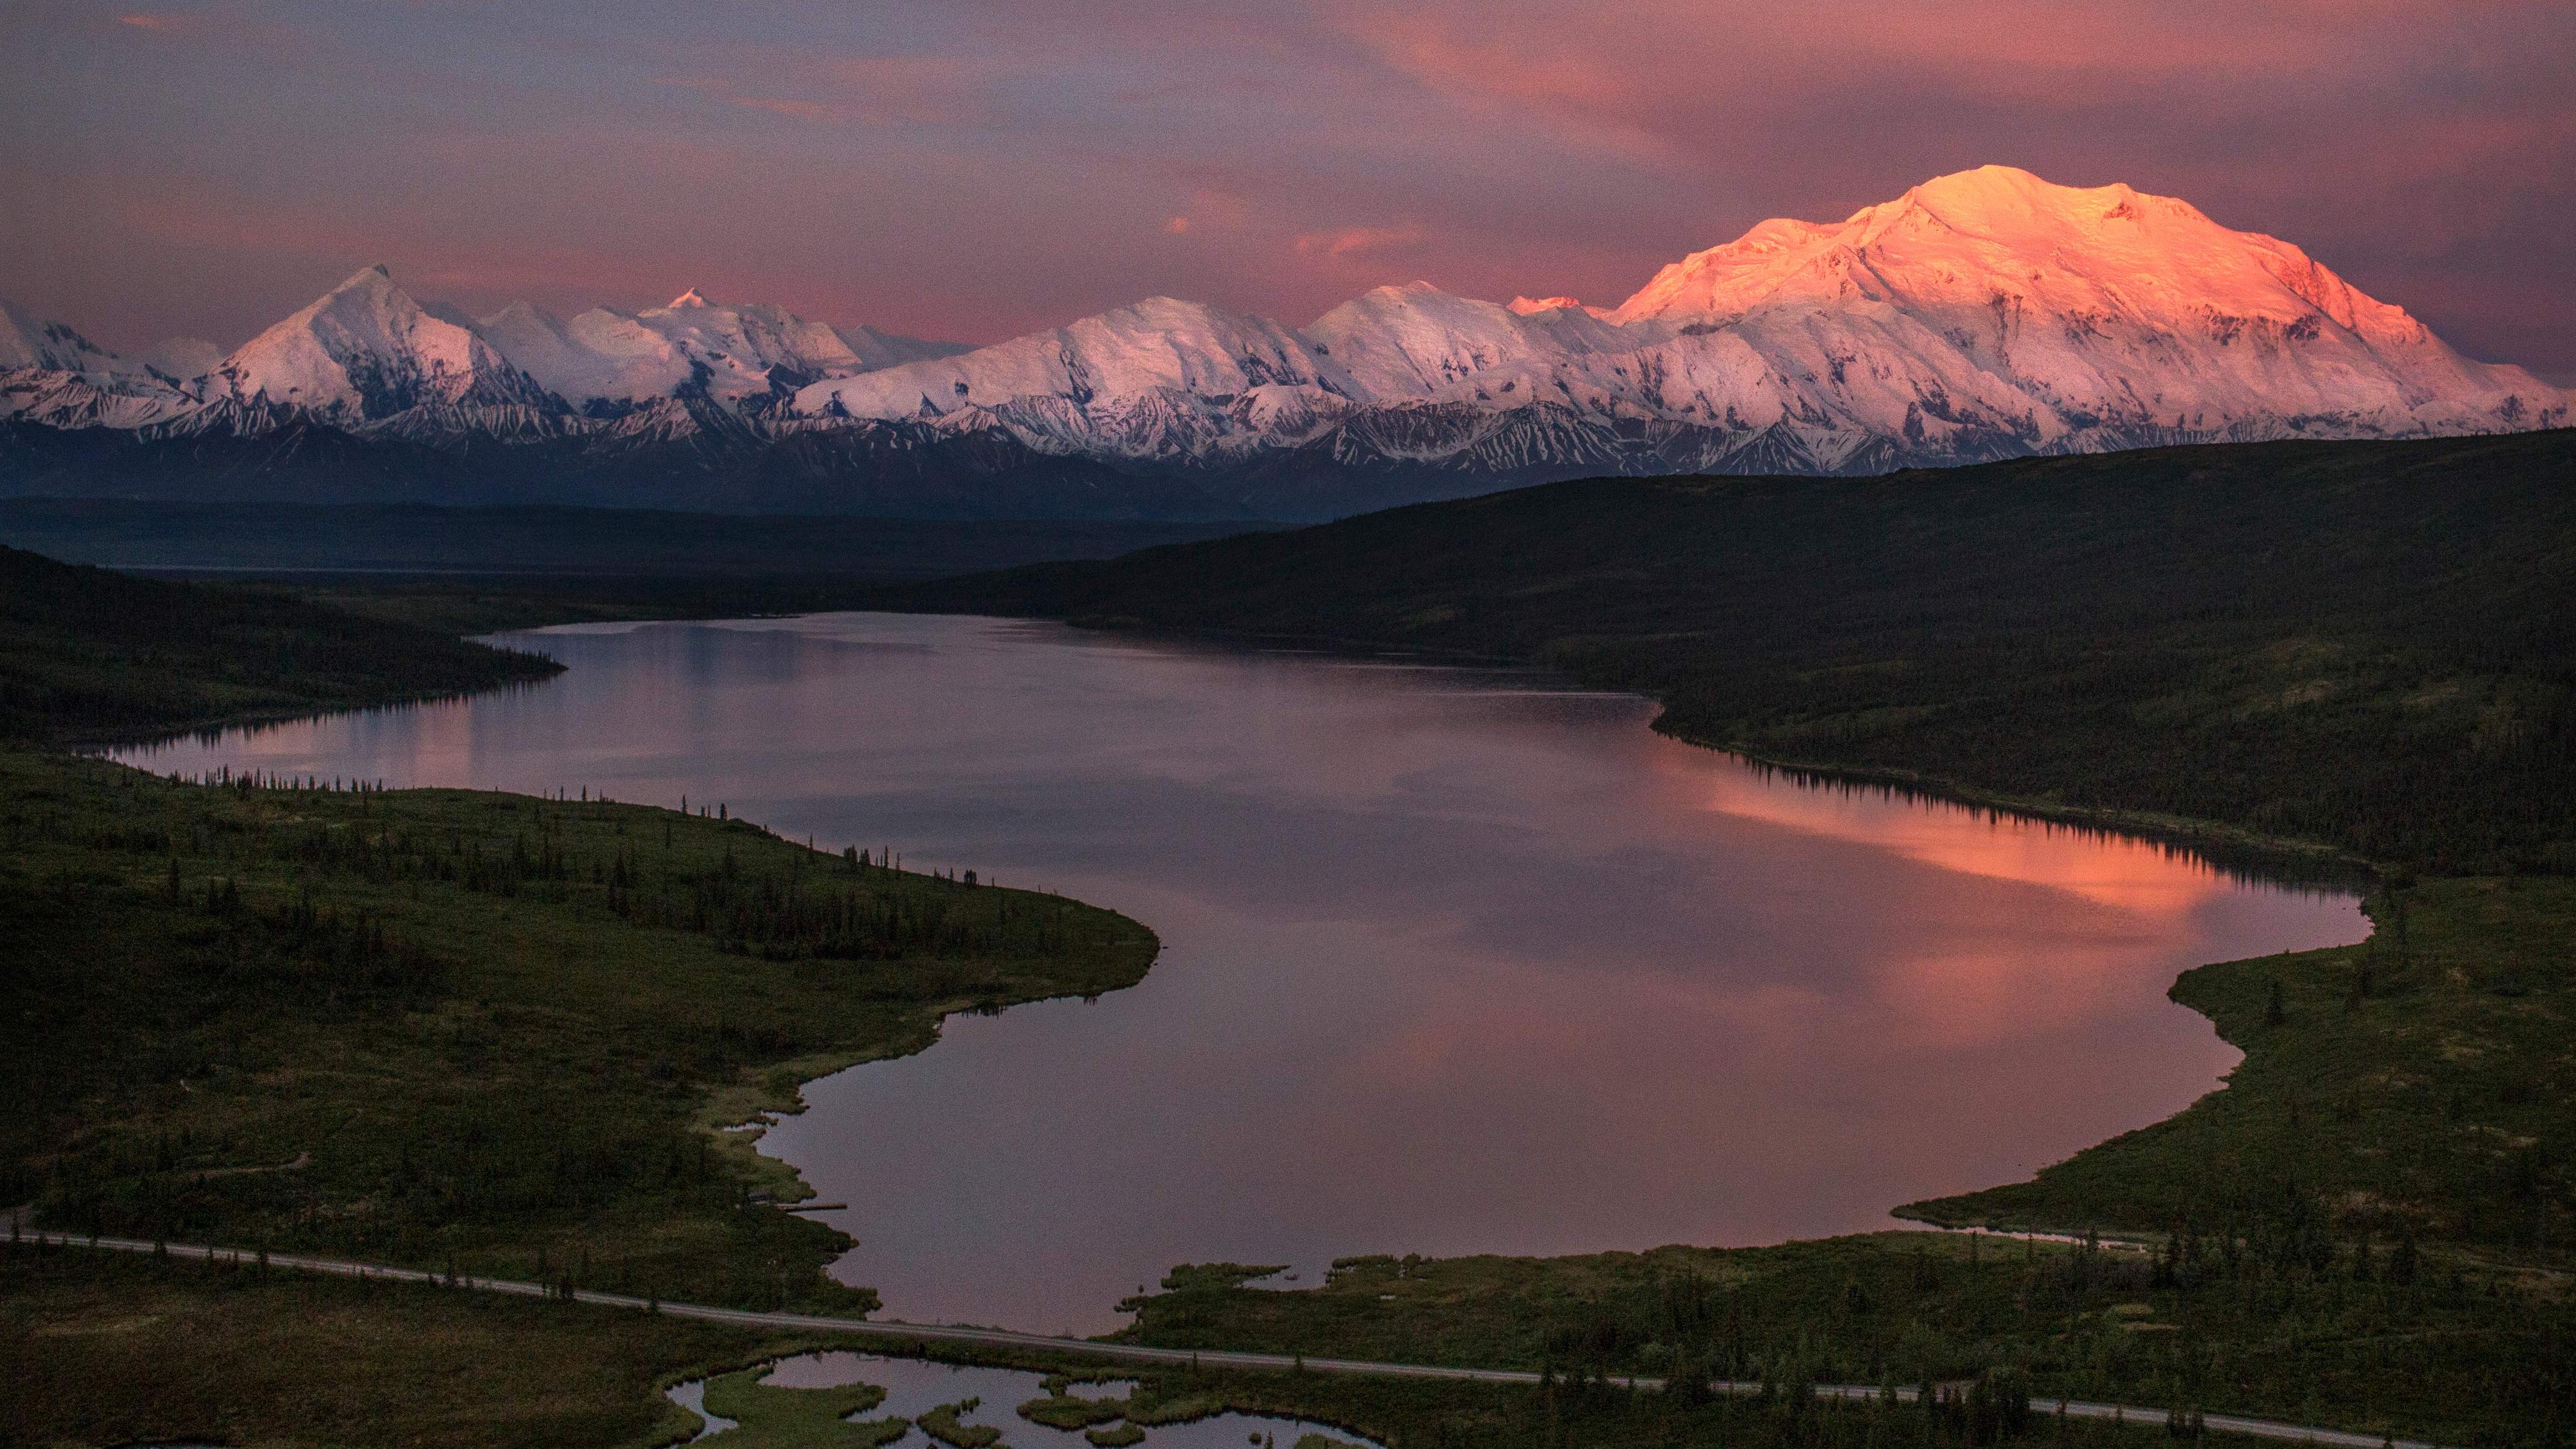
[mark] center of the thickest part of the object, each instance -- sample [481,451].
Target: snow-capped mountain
[365,350]
[28,342]
[2107,313]
[875,349]
[1980,315]
[53,376]
[181,360]
[1160,379]
[604,360]
[1524,306]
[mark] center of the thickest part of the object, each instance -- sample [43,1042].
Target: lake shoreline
[798,1091]
[1708,816]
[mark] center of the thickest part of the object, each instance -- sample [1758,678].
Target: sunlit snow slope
[1980,315]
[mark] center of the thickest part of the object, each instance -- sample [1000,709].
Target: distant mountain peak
[1960,245]
[734,357]
[521,309]
[1988,181]
[183,359]
[29,341]
[1983,314]
[365,349]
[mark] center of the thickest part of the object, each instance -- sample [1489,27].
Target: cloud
[927,90]
[865,90]
[1360,241]
[1213,209]
[220,29]
[1585,96]
[985,166]
[803,110]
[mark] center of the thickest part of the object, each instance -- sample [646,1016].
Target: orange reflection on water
[1963,1000]
[1990,966]
[2121,871]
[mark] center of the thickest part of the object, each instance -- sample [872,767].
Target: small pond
[977,1396]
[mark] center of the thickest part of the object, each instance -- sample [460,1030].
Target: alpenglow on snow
[1981,315]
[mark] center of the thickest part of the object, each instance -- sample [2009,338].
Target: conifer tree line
[427,1026]
[2365,646]
[847,907]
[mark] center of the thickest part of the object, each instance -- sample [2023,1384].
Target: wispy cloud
[980,166]
[1586,97]
[1360,241]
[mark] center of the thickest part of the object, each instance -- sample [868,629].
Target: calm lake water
[1454,961]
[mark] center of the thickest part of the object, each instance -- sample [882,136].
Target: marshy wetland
[974,1405]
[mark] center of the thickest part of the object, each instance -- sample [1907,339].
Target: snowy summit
[1980,315]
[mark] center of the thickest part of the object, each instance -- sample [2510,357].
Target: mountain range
[1981,315]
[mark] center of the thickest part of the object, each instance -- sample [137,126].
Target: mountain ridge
[1981,315]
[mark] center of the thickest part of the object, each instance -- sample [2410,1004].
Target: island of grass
[88,656]
[1065,1411]
[768,1416]
[943,1426]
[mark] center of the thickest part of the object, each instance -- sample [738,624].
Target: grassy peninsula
[450,1029]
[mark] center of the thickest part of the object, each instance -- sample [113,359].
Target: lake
[1455,960]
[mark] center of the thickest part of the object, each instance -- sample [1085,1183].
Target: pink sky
[973,170]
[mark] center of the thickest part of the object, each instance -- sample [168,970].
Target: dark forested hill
[2369,645]
[89,655]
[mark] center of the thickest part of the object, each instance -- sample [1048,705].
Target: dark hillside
[88,655]
[2366,645]
[542,543]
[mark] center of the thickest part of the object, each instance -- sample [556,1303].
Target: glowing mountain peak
[1957,247]
[1983,314]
